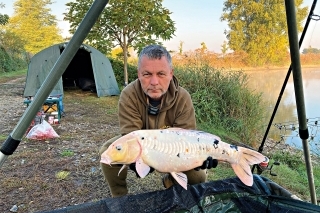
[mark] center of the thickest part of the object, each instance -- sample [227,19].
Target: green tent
[89,70]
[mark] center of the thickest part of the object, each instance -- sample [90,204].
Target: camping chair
[52,104]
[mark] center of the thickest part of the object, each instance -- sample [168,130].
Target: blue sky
[196,22]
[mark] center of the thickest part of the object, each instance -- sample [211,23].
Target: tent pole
[13,140]
[298,89]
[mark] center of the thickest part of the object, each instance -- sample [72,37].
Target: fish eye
[118,148]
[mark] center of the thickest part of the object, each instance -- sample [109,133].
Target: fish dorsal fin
[142,168]
[181,178]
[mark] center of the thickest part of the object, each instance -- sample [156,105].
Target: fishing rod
[310,17]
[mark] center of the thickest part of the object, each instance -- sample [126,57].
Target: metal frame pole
[13,140]
[298,89]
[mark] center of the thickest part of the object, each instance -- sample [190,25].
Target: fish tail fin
[242,168]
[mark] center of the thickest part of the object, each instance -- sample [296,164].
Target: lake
[285,125]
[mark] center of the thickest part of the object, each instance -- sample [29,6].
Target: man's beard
[158,97]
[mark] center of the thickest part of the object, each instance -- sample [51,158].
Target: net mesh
[228,195]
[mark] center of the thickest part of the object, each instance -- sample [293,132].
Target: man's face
[155,76]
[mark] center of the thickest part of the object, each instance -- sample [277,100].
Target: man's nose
[154,80]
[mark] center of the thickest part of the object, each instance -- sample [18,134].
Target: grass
[4,77]
[67,153]
[62,175]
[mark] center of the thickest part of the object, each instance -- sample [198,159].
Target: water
[285,124]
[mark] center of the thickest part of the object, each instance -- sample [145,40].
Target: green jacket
[176,109]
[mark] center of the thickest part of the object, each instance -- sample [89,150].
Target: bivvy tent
[89,70]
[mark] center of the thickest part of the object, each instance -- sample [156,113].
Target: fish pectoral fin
[124,166]
[181,178]
[142,168]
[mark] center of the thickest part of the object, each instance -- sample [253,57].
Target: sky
[196,22]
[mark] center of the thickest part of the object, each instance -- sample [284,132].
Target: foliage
[291,159]
[124,23]
[9,63]
[259,28]
[117,67]
[222,100]
[67,153]
[12,54]
[310,50]
[3,17]
[35,25]
[62,175]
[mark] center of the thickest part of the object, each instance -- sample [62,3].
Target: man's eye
[146,74]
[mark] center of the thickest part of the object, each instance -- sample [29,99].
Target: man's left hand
[208,164]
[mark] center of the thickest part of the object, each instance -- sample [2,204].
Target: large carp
[175,150]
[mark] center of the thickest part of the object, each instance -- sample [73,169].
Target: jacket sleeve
[185,116]
[129,115]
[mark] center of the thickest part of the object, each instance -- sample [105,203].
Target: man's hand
[133,168]
[208,164]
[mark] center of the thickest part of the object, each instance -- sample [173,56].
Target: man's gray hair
[155,51]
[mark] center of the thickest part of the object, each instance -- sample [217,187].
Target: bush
[118,68]
[10,63]
[223,100]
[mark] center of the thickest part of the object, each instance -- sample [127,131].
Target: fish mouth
[106,161]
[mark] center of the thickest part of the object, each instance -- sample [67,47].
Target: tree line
[256,29]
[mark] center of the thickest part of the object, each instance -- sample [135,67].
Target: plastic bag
[42,131]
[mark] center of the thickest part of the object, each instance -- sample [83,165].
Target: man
[153,101]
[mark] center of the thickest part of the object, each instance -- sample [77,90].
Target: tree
[34,24]
[310,50]
[134,23]
[181,47]
[224,48]
[3,17]
[259,28]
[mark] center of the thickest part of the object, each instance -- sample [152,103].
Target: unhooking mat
[229,195]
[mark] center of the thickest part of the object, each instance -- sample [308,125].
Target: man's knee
[195,177]
[116,181]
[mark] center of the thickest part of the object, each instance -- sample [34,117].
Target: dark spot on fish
[215,143]
[178,155]
[223,151]
[234,147]
[198,139]
[142,138]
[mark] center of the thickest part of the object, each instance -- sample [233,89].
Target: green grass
[12,75]
[67,153]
